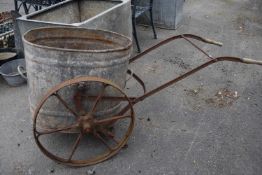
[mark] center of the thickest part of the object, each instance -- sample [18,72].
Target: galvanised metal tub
[166,13]
[112,15]
[56,54]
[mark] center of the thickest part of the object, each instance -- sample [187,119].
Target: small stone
[235,94]
[21,131]
[52,170]
[18,144]
[139,171]
[91,172]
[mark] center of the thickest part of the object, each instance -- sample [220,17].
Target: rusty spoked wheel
[91,136]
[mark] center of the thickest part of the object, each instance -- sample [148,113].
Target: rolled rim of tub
[38,34]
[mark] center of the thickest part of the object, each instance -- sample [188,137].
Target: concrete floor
[192,129]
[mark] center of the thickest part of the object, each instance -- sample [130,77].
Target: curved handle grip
[251,61]
[21,70]
[210,41]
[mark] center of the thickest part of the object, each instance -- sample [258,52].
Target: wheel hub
[87,123]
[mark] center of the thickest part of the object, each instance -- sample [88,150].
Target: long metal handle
[163,86]
[183,36]
[183,76]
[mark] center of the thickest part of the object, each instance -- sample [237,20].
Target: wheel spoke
[57,130]
[109,134]
[98,98]
[65,104]
[116,141]
[103,141]
[76,144]
[78,99]
[112,119]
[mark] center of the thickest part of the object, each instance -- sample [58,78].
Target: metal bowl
[7,54]
[14,72]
